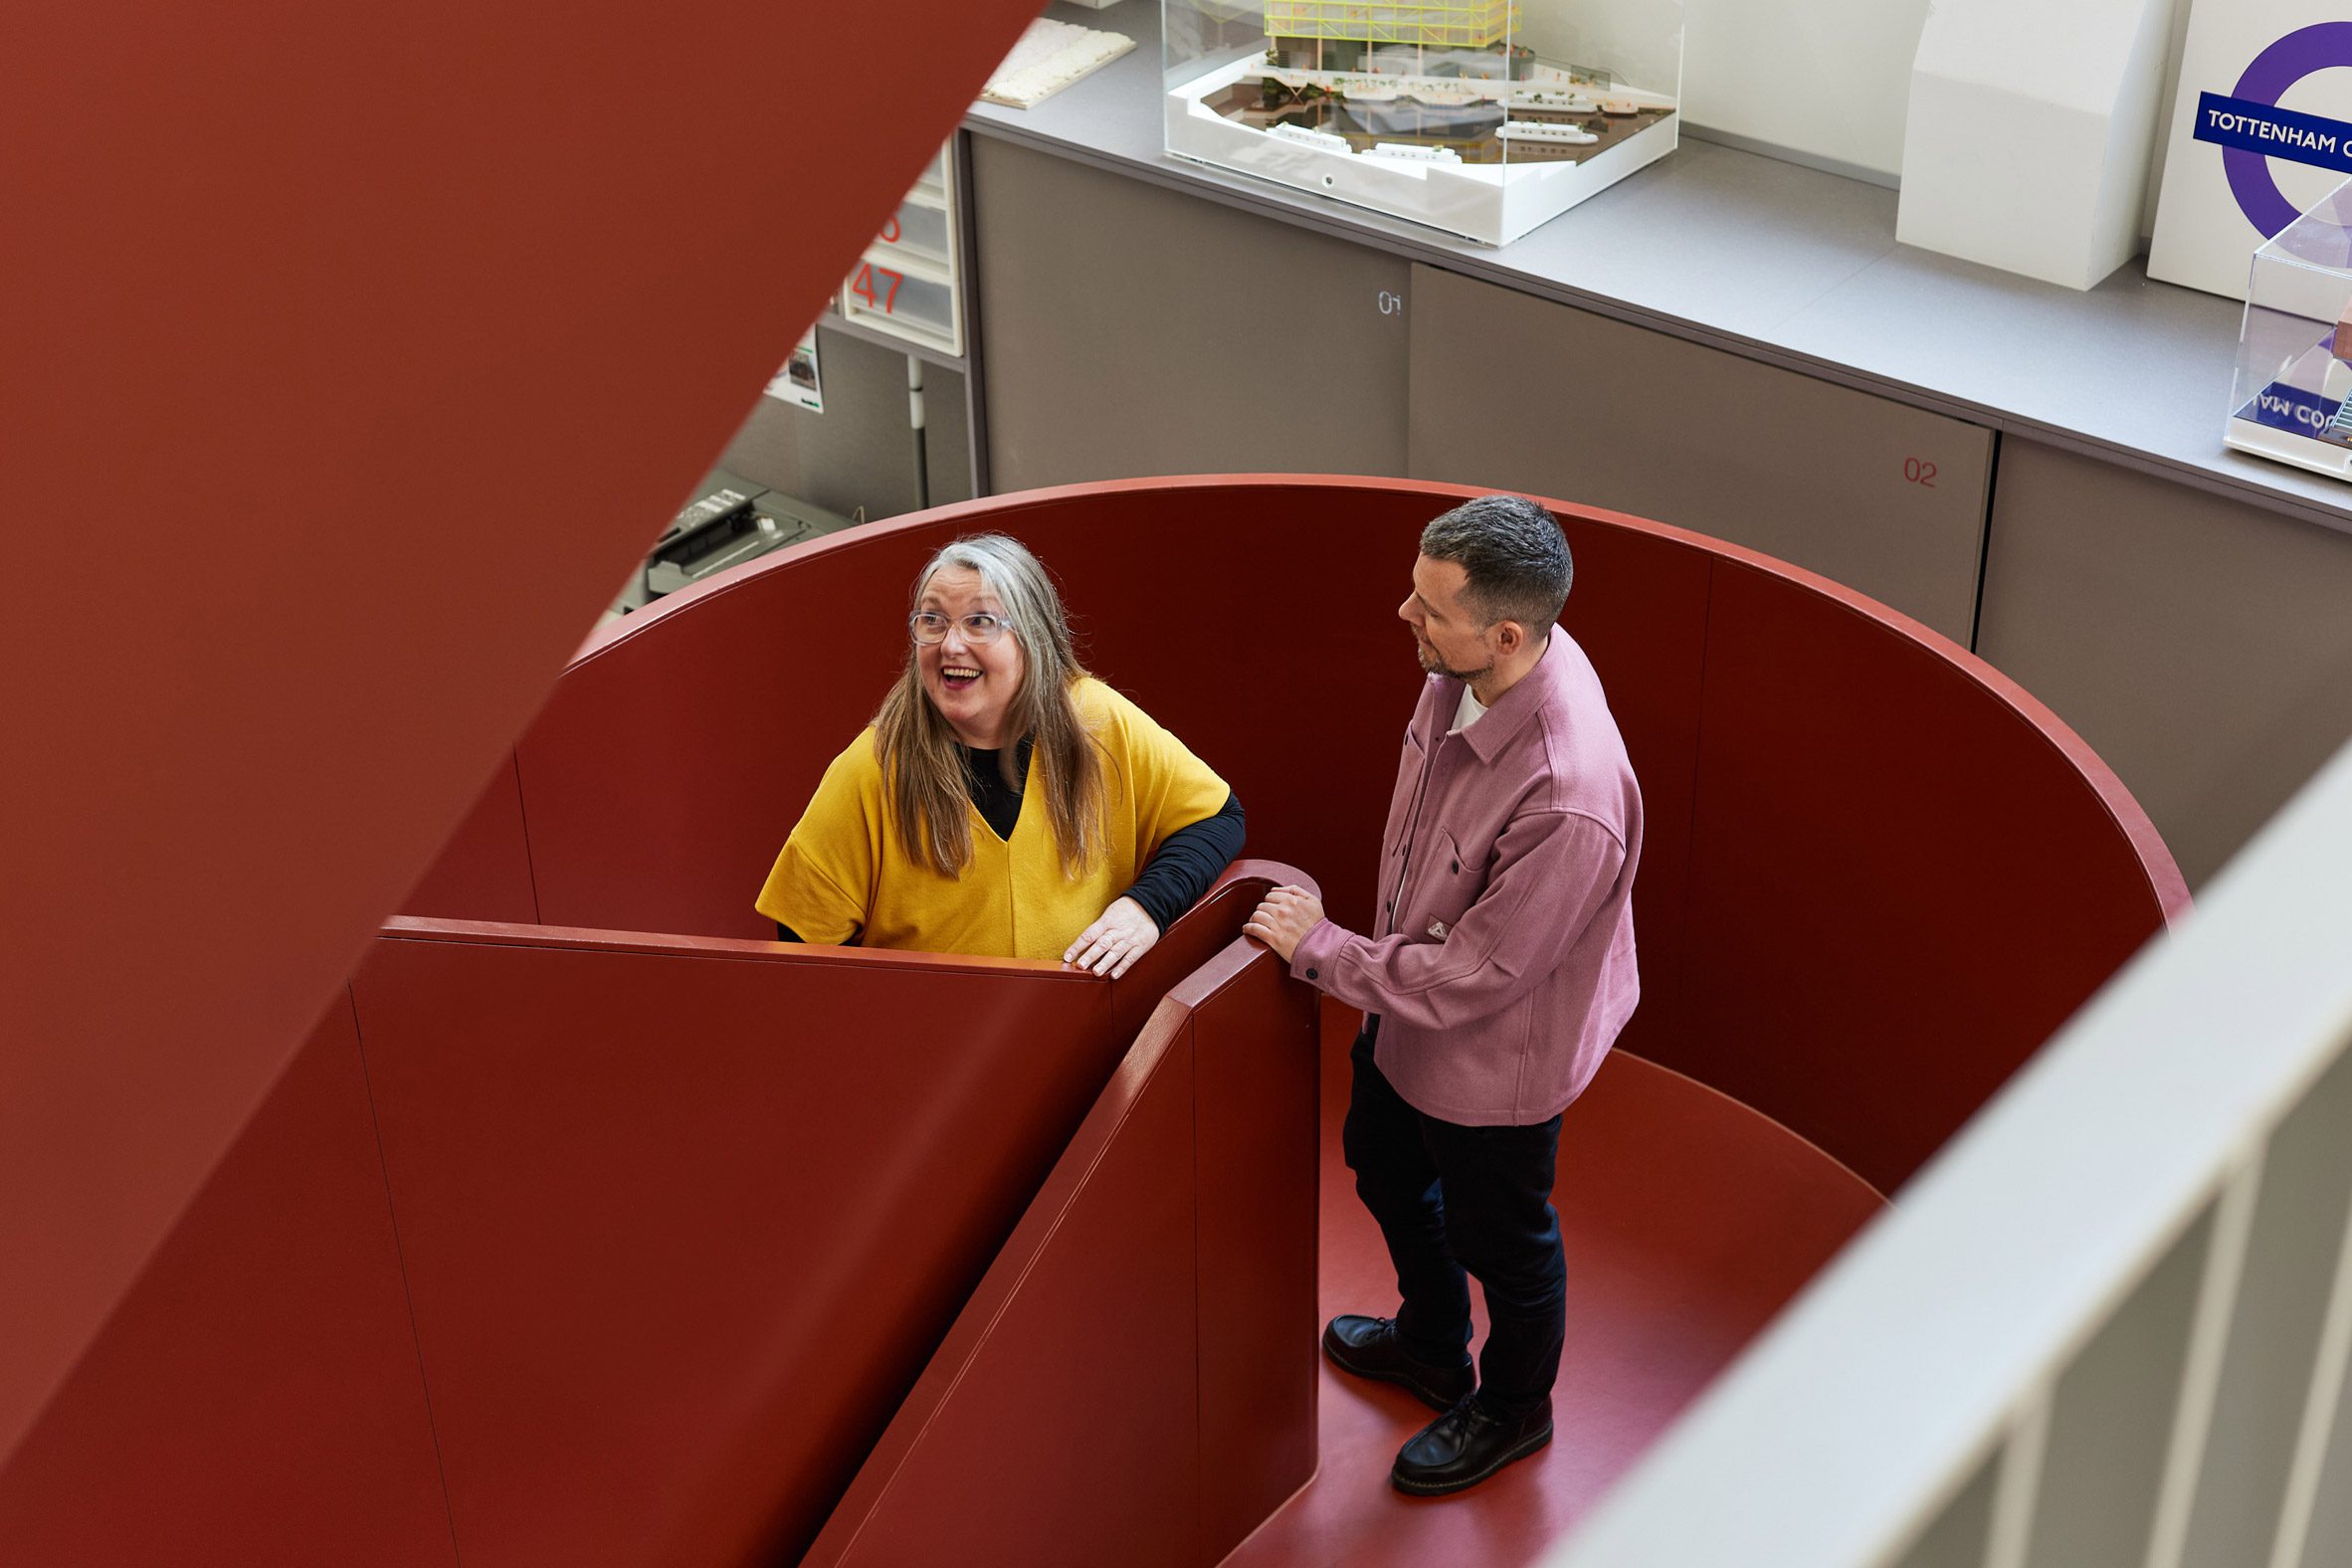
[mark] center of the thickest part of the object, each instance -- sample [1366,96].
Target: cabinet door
[1130,330]
[2202,647]
[1522,393]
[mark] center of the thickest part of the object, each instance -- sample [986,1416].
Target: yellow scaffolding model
[1463,24]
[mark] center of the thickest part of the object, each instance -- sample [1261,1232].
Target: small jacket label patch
[1437,928]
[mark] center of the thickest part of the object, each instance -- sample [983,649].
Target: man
[1498,971]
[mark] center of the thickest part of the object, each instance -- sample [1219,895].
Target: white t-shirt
[1468,714]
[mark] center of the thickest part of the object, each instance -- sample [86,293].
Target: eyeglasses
[981,629]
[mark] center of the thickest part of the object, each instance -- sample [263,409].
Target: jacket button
[1310,974]
[1457,868]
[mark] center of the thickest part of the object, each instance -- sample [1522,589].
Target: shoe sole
[1336,1354]
[1439,1488]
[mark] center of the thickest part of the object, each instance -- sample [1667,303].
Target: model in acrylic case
[1481,116]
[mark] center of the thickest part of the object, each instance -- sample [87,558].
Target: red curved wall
[1876,875]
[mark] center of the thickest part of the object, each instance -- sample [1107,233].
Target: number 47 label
[884,298]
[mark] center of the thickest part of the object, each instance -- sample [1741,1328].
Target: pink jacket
[1502,963]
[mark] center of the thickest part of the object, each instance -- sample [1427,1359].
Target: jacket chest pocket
[1445,886]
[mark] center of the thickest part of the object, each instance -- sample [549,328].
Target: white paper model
[1330,96]
[1051,56]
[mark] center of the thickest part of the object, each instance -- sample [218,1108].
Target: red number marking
[890,300]
[1919,473]
[863,285]
[889,234]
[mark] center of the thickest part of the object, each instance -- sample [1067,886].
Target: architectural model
[1440,110]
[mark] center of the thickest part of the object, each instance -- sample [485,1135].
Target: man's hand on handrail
[1284,918]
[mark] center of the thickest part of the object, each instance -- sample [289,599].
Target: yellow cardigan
[844,868]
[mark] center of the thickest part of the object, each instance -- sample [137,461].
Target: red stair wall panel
[1134,1380]
[308,282]
[1257,1148]
[483,872]
[680,1221]
[256,1399]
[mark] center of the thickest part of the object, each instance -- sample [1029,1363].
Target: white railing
[2107,1327]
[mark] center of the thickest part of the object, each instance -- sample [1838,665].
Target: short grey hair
[1513,554]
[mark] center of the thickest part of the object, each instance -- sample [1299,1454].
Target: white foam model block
[1741,56]
[2030,131]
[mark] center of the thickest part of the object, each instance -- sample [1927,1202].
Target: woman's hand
[1119,935]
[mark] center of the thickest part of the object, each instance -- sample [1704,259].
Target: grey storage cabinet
[1131,330]
[1515,391]
[2203,648]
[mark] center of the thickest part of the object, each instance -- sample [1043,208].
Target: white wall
[1825,78]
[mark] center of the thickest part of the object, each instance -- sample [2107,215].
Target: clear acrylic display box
[1482,118]
[2290,400]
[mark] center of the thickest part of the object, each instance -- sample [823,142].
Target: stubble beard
[1431,663]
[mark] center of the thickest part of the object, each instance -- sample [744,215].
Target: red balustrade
[1875,877]
[568,1247]
[681,1217]
[1134,1380]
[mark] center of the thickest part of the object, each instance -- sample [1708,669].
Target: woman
[1004,801]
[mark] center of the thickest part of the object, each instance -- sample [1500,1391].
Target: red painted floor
[1689,1222]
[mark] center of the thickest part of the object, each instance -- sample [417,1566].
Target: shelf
[929,353]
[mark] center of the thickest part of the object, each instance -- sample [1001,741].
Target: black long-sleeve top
[1193,858]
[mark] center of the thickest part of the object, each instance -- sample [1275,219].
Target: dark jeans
[1451,1198]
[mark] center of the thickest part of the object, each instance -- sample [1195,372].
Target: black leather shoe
[1369,1347]
[1464,1446]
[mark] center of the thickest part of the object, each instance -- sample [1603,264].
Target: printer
[730,520]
